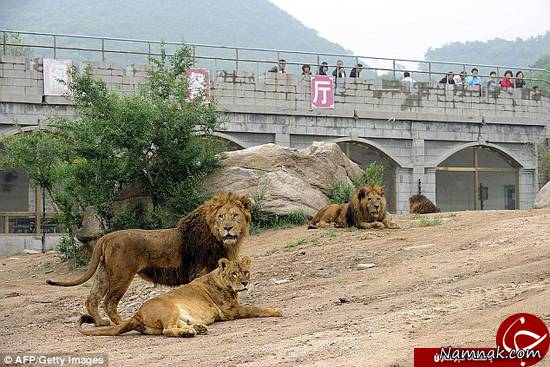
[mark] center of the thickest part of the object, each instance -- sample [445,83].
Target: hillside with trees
[520,52]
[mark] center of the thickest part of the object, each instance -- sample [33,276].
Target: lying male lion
[420,204]
[185,311]
[367,209]
[172,256]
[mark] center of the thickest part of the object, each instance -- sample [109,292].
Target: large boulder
[291,179]
[543,197]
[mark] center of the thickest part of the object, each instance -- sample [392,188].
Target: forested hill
[253,23]
[521,52]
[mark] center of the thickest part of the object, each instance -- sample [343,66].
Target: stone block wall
[415,127]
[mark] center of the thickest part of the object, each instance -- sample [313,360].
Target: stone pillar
[528,188]
[403,189]
[282,139]
[428,185]
[418,155]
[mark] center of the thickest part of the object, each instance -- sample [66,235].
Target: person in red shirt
[507,82]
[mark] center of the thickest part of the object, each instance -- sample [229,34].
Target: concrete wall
[417,128]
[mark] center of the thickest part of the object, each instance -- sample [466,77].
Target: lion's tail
[119,329]
[96,257]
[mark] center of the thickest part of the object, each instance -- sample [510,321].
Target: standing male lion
[171,256]
[367,209]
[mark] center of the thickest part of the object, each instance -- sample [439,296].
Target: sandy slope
[451,283]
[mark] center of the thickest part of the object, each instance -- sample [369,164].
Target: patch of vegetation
[416,216]
[297,217]
[15,40]
[70,251]
[342,192]
[271,251]
[353,229]
[262,220]
[86,285]
[430,221]
[452,215]
[301,242]
[331,232]
[373,175]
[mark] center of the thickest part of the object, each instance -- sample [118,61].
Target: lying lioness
[185,311]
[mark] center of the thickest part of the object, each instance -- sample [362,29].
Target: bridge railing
[127,50]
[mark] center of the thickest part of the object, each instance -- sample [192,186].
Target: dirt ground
[451,283]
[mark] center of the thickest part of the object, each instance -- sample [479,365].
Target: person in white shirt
[407,78]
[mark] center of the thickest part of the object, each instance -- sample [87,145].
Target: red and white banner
[199,84]
[522,340]
[322,91]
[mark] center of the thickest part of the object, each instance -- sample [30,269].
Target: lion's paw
[201,329]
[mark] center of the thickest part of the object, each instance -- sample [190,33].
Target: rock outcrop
[543,197]
[291,179]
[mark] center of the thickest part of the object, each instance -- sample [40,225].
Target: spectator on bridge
[407,78]
[448,79]
[354,73]
[520,83]
[323,69]
[460,79]
[339,72]
[491,83]
[473,79]
[306,70]
[506,82]
[280,68]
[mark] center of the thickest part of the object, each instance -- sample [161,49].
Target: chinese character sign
[199,83]
[322,91]
[54,72]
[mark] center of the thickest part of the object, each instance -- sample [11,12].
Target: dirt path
[451,283]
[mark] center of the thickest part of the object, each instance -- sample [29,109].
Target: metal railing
[214,56]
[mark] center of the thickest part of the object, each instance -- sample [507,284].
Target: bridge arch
[477,177]
[493,147]
[364,152]
[234,143]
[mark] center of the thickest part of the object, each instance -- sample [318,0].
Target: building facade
[463,148]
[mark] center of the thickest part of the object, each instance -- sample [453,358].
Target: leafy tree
[156,139]
[543,62]
[14,49]
[39,154]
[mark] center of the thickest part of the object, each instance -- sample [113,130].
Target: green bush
[373,175]
[297,217]
[341,193]
[262,220]
[70,251]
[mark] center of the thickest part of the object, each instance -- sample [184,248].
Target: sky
[406,29]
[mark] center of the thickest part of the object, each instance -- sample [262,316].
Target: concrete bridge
[463,148]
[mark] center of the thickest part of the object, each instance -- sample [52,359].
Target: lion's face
[373,199]
[229,219]
[235,274]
